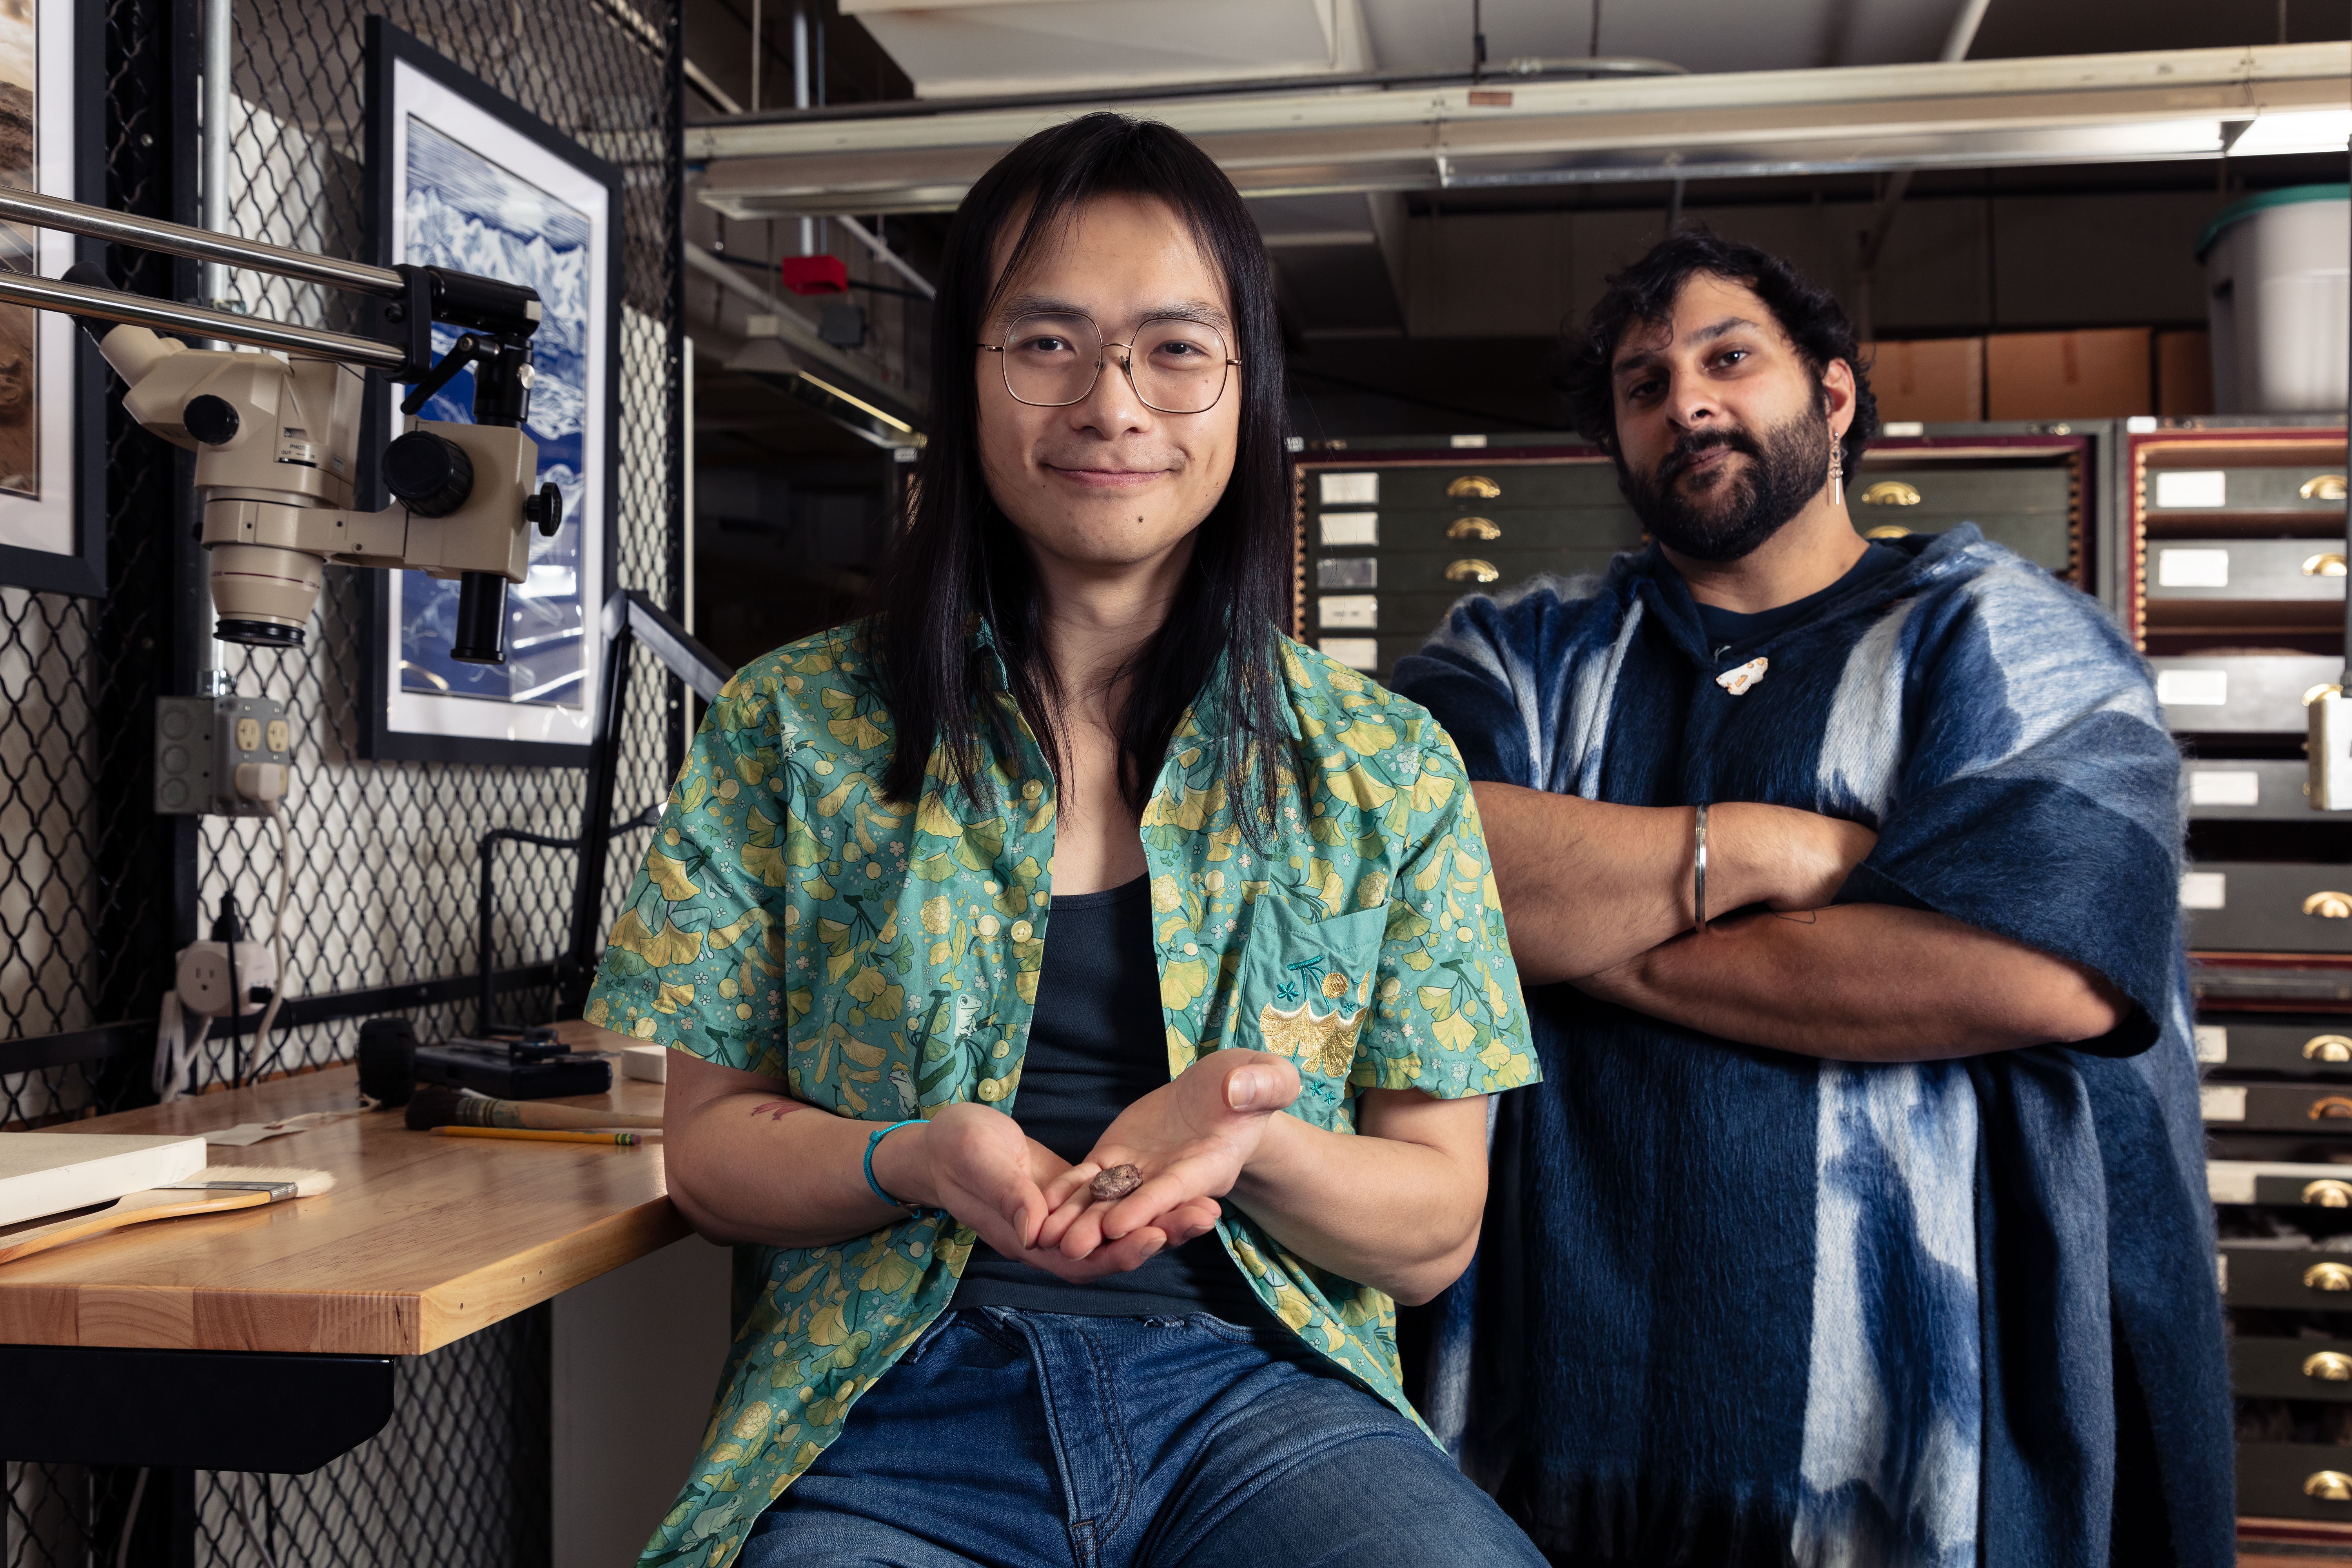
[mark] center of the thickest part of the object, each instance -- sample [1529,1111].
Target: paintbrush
[436,1105]
[213,1190]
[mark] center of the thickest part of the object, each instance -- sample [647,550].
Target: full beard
[1739,511]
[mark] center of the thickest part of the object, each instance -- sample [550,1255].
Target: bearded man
[1861,1217]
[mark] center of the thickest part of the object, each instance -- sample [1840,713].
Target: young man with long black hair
[1146,961]
[1863,1219]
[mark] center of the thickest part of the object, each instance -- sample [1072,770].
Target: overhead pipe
[718,96]
[218,32]
[886,256]
[1956,44]
[800,100]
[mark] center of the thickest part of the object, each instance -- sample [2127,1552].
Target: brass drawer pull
[2330,906]
[2323,487]
[1890,492]
[1473,485]
[1886,531]
[2328,1048]
[2326,563]
[2328,1193]
[1474,528]
[2324,688]
[1470,569]
[2331,1278]
[2332,1108]
[2328,1366]
[2329,1486]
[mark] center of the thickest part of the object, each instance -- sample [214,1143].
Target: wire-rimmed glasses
[1052,359]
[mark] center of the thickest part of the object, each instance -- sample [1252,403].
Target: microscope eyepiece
[480,635]
[430,472]
[210,419]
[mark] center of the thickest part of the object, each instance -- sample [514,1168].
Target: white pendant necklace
[1738,679]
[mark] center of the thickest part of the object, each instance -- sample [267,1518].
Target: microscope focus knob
[210,419]
[545,510]
[430,472]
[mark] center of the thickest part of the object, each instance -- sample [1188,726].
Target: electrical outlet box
[221,756]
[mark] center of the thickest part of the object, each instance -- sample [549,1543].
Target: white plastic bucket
[2278,283]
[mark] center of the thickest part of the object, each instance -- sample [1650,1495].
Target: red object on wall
[816,275]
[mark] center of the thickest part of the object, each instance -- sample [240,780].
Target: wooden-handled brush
[213,1190]
[436,1105]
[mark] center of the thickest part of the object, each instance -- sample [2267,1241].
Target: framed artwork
[52,418]
[461,177]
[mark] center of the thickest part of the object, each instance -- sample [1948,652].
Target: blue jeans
[1023,1440]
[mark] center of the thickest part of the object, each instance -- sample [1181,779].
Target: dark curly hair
[1643,295]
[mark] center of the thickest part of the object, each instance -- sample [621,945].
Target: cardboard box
[2184,374]
[2101,374]
[1929,379]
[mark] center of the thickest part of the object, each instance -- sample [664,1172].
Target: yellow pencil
[538,1135]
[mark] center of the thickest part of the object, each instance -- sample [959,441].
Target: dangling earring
[1837,475]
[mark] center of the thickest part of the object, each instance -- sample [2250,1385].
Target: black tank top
[1097,1045]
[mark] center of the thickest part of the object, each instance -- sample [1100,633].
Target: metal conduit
[202,244]
[110,305]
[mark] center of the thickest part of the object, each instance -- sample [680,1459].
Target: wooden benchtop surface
[422,1241]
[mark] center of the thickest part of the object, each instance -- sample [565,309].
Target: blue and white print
[1735,1306]
[463,211]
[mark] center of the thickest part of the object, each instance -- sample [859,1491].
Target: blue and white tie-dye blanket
[1733,1306]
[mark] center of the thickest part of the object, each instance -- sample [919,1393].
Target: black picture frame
[81,571]
[389,52]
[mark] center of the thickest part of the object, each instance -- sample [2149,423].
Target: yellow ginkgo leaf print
[723,937]
[669,876]
[1360,789]
[1180,985]
[1430,790]
[669,946]
[881,958]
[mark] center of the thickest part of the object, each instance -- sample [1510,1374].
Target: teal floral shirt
[883,960]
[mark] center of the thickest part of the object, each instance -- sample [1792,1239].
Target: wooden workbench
[424,1241]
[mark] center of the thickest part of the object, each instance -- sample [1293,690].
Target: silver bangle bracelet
[1698,871]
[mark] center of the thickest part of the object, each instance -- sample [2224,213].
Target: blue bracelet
[872,1142]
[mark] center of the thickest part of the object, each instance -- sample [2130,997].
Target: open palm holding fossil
[1183,1144]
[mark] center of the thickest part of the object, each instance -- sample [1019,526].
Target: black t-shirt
[1098,1045]
[1727,631]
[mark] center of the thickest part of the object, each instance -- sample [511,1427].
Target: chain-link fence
[94,890]
[87,869]
[97,891]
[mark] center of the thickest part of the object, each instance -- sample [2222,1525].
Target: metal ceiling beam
[1857,118]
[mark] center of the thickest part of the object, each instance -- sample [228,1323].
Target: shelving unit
[2234,530]
[2218,545]
[1392,531]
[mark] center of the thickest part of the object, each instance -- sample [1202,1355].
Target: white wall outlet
[202,976]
